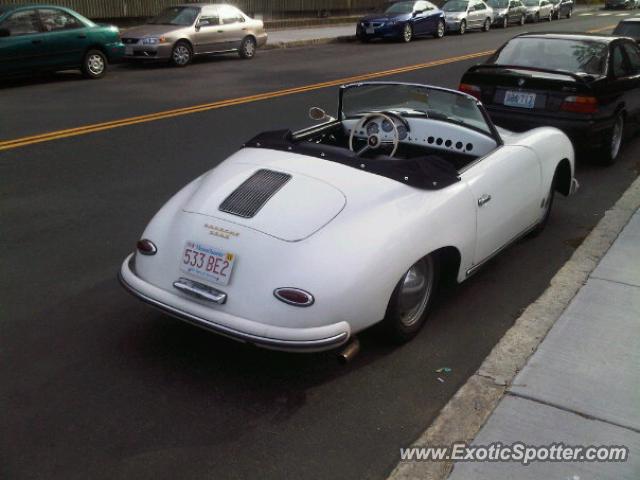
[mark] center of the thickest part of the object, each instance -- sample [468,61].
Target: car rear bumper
[248,331]
[583,133]
[261,39]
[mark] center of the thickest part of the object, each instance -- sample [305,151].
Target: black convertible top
[429,172]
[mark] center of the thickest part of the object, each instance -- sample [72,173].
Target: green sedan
[50,38]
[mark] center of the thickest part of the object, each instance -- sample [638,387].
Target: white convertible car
[300,240]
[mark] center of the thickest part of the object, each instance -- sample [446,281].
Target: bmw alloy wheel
[616,137]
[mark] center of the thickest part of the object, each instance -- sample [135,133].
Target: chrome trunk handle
[198,290]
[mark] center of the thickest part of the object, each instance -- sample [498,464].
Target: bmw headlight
[152,40]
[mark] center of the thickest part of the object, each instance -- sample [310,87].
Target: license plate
[128,50]
[371,30]
[519,99]
[207,262]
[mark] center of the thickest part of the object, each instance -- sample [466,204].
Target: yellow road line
[98,127]
[601,29]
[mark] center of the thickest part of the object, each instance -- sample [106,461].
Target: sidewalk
[582,385]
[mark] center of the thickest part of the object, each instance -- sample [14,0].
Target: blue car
[403,21]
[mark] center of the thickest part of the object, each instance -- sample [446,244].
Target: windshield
[498,3]
[531,3]
[628,29]
[579,56]
[183,16]
[413,100]
[455,6]
[400,7]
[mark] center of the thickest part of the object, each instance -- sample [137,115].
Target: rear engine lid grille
[247,200]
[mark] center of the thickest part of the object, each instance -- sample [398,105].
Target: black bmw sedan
[586,85]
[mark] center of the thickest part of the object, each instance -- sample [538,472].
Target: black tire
[523,20]
[400,325]
[547,212]
[248,48]
[181,54]
[505,22]
[609,153]
[486,26]
[407,33]
[440,29]
[569,13]
[94,64]
[463,27]
[536,18]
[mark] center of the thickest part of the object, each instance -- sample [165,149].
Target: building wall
[264,8]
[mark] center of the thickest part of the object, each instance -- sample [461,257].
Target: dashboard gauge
[372,128]
[387,126]
[402,132]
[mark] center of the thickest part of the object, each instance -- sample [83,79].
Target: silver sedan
[179,33]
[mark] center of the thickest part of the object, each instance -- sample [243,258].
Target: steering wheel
[374,141]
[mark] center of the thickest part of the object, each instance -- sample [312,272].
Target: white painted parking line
[586,14]
[622,14]
[605,14]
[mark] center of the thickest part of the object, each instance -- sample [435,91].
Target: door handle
[36,42]
[484,199]
[82,36]
[220,31]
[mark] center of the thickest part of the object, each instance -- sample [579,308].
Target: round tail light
[146,247]
[294,296]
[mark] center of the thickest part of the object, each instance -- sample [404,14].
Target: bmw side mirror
[318,114]
[4,32]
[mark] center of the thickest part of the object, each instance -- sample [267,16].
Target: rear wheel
[569,13]
[181,54]
[536,18]
[247,48]
[611,150]
[547,209]
[440,30]
[411,300]
[505,22]
[523,19]
[487,25]
[463,27]
[94,64]
[407,33]
[550,17]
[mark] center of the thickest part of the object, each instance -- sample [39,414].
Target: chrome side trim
[322,343]
[475,268]
[198,290]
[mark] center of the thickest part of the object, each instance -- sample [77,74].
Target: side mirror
[4,32]
[318,114]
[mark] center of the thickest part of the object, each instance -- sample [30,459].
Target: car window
[455,6]
[54,19]
[231,15]
[421,7]
[478,6]
[209,17]
[618,63]
[633,54]
[22,23]
[628,29]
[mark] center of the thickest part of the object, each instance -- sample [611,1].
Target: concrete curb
[311,41]
[466,412]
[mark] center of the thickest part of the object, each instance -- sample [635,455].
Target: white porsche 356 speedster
[300,240]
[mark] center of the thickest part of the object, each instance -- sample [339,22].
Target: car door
[233,25]
[419,18]
[22,48]
[66,37]
[545,9]
[506,186]
[473,15]
[208,36]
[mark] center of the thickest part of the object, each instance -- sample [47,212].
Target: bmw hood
[284,204]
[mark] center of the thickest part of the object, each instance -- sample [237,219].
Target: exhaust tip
[349,352]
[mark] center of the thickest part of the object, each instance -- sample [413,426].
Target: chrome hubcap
[95,64]
[616,137]
[440,29]
[181,55]
[249,48]
[415,292]
[407,33]
[463,27]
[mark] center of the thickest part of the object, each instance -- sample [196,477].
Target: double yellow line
[152,117]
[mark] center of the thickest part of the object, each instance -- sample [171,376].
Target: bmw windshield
[413,101]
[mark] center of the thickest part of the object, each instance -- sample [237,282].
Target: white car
[301,240]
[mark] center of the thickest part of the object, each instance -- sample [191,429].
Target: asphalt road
[95,384]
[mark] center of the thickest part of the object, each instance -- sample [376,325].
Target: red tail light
[294,296]
[146,247]
[473,90]
[580,104]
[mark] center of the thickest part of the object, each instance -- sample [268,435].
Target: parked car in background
[628,28]
[562,8]
[626,4]
[36,38]
[182,32]
[586,85]
[462,15]
[508,11]
[403,21]
[538,10]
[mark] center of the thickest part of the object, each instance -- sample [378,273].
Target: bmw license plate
[519,99]
[207,262]
[128,50]
[371,30]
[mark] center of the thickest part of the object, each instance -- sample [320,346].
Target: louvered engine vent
[247,200]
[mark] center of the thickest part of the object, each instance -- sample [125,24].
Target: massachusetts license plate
[128,50]
[371,30]
[207,262]
[519,99]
